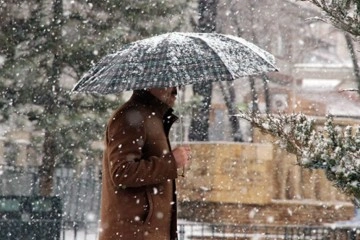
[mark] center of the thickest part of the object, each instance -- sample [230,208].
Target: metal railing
[224,231]
[203,231]
[79,192]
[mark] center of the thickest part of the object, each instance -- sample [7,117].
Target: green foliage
[47,46]
[335,149]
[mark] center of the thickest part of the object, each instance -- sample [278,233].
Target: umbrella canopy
[174,59]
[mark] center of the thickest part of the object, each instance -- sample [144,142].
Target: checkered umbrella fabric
[174,59]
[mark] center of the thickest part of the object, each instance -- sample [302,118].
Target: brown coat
[138,175]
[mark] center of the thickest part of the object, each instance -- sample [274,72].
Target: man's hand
[182,155]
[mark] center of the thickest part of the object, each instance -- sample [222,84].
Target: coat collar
[146,98]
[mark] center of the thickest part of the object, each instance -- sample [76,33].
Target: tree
[47,45]
[199,126]
[247,19]
[228,92]
[334,149]
[354,60]
[343,14]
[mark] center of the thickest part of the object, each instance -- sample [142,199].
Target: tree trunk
[254,102]
[207,12]
[254,96]
[47,168]
[229,98]
[199,126]
[266,93]
[350,46]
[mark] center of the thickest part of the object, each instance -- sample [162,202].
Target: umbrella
[174,59]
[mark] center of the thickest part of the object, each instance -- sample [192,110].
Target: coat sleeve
[126,166]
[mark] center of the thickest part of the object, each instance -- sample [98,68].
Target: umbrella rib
[260,52]
[213,50]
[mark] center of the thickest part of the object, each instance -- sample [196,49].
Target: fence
[30,218]
[79,192]
[197,231]
[231,232]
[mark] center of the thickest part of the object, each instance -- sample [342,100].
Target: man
[139,169]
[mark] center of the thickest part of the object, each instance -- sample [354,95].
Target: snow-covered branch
[335,149]
[343,14]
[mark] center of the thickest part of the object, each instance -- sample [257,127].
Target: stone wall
[258,183]
[229,172]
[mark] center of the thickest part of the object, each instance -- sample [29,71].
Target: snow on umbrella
[174,59]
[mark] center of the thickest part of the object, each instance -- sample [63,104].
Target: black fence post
[352,234]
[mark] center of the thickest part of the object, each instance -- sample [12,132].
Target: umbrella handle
[183,171]
[182,174]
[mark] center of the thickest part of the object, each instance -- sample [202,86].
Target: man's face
[166,95]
